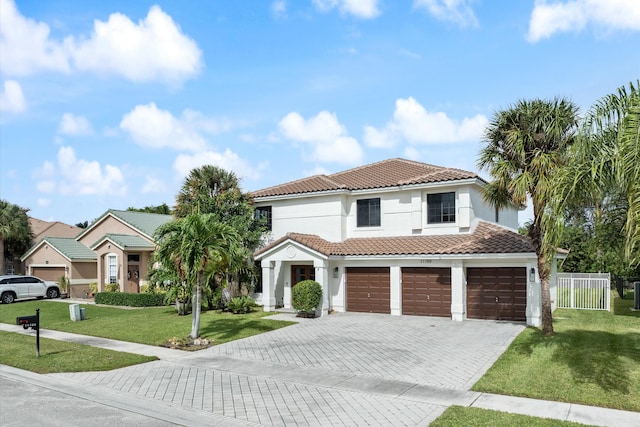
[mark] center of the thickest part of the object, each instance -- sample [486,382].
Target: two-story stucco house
[115,248]
[398,237]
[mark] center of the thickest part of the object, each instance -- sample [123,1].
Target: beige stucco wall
[84,271]
[46,255]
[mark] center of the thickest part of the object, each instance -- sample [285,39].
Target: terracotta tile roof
[486,238]
[387,173]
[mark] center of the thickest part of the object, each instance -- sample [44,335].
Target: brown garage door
[497,293]
[48,273]
[426,291]
[369,289]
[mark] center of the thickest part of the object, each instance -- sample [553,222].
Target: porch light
[532,275]
[336,271]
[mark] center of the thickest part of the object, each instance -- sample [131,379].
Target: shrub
[243,304]
[112,287]
[306,296]
[93,287]
[63,282]
[129,300]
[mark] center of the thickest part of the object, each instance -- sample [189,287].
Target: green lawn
[456,416]
[153,326]
[593,359]
[19,351]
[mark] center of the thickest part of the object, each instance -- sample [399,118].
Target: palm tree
[188,246]
[15,232]
[213,190]
[202,189]
[525,145]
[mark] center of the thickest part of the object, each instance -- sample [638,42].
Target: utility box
[83,313]
[74,312]
[636,295]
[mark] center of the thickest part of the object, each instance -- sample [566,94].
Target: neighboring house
[115,248]
[398,237]
[41,229]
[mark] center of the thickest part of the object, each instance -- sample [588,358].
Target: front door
[302,272]
[133,278]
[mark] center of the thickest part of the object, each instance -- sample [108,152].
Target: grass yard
[456,416]
[152,326]
[19,351]
[593,359]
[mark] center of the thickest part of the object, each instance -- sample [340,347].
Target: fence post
[572,292]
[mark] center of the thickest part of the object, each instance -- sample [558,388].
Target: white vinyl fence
[589,291]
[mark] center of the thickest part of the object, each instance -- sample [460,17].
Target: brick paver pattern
[317,372]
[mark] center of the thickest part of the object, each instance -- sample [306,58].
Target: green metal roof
[70,248]
[125,241]
[142,221]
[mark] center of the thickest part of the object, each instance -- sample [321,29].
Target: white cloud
[73,176]
[413,123]
[154,49]
[25,44]
[457,11]
[73,125]
[152,185]
[318,170]
[228,160]
[43,203]
[152,127]
[549,18]
[366,9]
[279,9]
[383,138]
[329,138]
[11,98]
[411,153]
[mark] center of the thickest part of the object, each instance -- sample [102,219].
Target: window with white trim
[112,268]
[368,212]
[441,208]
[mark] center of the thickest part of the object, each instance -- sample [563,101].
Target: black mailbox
[27,321]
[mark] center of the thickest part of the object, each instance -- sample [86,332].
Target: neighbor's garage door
[497,293]
[369,289]
[426,291]
[48,273]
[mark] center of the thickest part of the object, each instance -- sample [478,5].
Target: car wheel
[52,293]
[8,297]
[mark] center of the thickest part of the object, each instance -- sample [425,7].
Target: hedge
[129,299]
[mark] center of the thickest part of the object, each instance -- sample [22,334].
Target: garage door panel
[368,289]
[48,273]
[497,293]
[426,291]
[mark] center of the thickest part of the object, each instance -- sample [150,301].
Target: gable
[68,248]
[124,223]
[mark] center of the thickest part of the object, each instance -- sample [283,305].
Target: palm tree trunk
[196,309]
[547,319]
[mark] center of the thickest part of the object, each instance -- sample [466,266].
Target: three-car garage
[495,293]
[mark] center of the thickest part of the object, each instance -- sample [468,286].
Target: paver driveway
[344,369]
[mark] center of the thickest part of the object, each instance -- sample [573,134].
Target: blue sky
[110,104]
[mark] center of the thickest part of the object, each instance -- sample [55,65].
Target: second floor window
[264,212]
[368,212]
[441,208]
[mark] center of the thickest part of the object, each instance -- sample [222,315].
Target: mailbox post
[32,322]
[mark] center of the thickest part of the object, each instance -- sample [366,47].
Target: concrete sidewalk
[109,344]
[202,388]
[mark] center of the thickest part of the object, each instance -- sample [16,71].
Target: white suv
[16,287]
